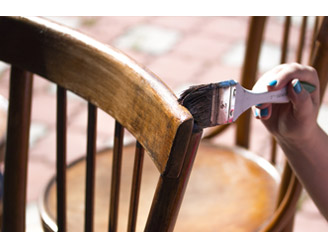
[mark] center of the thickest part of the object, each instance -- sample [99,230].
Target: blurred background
[182,51]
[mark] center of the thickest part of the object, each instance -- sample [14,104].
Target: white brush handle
[278,96]
[245,99]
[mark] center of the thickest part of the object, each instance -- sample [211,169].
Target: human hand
[295,120]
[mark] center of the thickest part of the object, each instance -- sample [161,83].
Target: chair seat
[229,190]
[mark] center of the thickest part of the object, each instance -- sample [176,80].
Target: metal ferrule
[223,103]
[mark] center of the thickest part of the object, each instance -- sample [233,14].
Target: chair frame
[93,71]
[58,53]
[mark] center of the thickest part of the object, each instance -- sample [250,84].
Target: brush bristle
[198,100]
[203,102]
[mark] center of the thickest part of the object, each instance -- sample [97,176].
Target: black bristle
[198,100]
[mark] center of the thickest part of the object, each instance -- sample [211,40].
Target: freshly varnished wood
[15,176]
[207,193]
[61,157]
[76,62]
[90,168]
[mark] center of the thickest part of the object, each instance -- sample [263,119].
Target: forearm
[309,159]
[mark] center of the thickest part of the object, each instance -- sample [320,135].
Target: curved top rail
[104,76]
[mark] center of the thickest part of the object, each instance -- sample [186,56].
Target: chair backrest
[290,188]
[108,80]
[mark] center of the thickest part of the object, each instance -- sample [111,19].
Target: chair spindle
[61,158]
[314,38]
[90,167]
[116,177]
[301,41]
[15,181]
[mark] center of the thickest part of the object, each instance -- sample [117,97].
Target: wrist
[305,138]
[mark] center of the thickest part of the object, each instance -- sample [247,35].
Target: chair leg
[290,225]
[163,216]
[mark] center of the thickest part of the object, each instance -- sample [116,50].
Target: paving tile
[147,38]
[105,123]
[226,28]
[44,108]
[175,70]
[103,29]
[274,33]
[184,23]
[269,56]
[37,131]
[45,148]
[218,72]
[202,47]
[40,84]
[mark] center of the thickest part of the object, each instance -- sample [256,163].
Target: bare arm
[295,127]
[309,159]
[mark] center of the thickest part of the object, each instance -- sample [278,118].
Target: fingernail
[256,113]
[264,112]
[258,105]
[273,83]
[297,87]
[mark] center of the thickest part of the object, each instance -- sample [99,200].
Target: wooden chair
[231,188]
[109,80]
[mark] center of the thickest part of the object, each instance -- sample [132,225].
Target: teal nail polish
[256,113]
[264,112]
[297,87]
[273,83]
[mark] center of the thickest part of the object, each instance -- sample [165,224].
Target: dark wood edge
[179,149]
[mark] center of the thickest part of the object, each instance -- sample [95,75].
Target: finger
[263,113]
[293,71]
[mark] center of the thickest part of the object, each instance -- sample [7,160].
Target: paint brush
[223,102]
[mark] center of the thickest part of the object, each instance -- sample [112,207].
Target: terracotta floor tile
[202,47]
[184,23]
[175,70]
[226,27]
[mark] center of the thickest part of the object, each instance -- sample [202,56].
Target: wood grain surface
[227,191]
[102,75]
